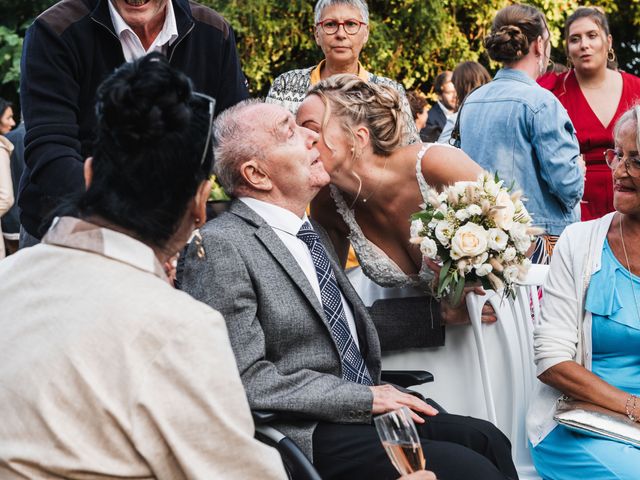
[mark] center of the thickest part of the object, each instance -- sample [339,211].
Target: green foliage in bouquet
[480,231]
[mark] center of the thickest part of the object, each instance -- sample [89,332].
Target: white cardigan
[564,332]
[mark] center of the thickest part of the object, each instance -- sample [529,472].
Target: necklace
[365,200]
[626,257]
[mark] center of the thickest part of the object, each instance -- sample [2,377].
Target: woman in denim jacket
[516,128]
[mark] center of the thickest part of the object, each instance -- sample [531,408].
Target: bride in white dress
[377,182]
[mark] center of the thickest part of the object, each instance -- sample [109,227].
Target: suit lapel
[279,251]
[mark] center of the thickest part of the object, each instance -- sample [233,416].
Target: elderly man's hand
[387,398]
[421,475]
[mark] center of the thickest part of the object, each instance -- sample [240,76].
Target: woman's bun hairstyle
[357,102]
[513,31]
[150,139]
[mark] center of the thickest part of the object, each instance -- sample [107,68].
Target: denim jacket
[519,129]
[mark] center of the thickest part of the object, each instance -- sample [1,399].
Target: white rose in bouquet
[429,248]
[497,239]
[474,209]
[483,270]
[416,228]
[511,273]
[469,240]
[503,215]
[509,254]
[462,215]
[492,188]
[444,232]
[521,240]
[480,259]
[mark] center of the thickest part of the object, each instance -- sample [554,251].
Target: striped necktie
[353,366]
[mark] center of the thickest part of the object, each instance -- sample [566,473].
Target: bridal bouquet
[480,230]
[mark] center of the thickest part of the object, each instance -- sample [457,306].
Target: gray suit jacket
[286,355]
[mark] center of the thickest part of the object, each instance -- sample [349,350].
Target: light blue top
[616,359]
[517,128]
[616,324]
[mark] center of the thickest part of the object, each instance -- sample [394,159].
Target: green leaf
[443,286]
[444,271]
[457,292]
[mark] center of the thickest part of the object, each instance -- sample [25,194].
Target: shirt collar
[166,36]
[445,110]
[275,216]
[74,233]
[515,74]
[315,73]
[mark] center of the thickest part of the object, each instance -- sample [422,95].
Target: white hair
[359,4]
[233,144]
[631,115]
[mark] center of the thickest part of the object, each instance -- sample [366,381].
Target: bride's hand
[459,315]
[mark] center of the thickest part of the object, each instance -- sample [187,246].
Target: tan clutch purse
[594,420]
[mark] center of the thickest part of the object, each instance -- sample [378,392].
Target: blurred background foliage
[410,40]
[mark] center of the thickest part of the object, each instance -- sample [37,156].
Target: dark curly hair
[513,31]
[151,136]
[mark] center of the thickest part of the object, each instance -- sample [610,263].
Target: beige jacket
[6,184]
[108,372]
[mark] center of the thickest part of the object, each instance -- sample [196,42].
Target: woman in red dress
[595,94]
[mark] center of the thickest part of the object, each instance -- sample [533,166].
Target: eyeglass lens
[331,26]
[632,164]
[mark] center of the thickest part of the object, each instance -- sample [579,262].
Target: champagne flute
[400,440]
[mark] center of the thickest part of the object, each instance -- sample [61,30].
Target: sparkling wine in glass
[400,440]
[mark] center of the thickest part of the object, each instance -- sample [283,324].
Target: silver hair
[631,115]
[359,4]
[234,145]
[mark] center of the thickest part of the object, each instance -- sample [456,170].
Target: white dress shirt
[131,44]
[286,225]
[445,110]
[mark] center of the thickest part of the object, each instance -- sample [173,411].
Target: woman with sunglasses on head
[106,371]
[514,127]
[587,345]
[595,95]
[341,31]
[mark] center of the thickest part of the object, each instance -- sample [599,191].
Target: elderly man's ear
[255,177]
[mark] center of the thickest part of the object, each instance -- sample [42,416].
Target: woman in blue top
[587,345]
[516,128]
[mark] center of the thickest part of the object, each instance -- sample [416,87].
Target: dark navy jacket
[68,51]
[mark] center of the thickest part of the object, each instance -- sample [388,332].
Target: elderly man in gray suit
[304,342]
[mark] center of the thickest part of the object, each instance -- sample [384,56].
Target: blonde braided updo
[356,102]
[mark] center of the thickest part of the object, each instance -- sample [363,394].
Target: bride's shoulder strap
[422,182]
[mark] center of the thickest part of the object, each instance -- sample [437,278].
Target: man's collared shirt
[131,44]
[286,225]
[445,110]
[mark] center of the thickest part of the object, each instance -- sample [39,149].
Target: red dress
[594,138]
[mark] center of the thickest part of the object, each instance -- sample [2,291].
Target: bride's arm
[323,211]
[443,165]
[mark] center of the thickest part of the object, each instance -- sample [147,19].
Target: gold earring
[197,240]
[611,56]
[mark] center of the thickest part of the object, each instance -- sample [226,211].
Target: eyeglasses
[330,26]
[632,164]
[212,108]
